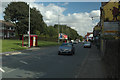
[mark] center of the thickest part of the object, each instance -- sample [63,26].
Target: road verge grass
[14,45]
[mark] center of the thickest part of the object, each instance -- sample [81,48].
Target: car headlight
[69,50]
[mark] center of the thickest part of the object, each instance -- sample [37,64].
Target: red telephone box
[33,40]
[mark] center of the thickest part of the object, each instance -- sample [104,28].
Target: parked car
[87,44]
[66,48]
[75,42]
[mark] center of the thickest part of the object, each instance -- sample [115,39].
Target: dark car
[66,48]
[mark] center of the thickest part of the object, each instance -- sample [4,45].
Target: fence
[111,57]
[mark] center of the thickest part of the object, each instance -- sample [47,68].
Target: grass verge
[14,45]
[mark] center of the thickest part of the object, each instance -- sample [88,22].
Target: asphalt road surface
[46,63]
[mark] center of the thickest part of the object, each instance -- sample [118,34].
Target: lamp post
[58,29]
[29,24]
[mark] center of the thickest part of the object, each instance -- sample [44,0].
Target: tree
[37,22]
[72,34]
[52,31]
[17,13]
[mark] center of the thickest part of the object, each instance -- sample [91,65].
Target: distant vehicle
[72,41]
[66,48]
[75,42]
[79,41]
[87,44]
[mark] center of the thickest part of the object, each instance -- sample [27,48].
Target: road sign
[111,28]
[62,36]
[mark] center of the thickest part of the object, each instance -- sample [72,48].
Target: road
[46,63]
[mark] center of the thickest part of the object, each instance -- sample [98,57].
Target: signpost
[62,36]
[111,28]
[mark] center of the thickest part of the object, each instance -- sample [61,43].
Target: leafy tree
[52,31]
[17,13]
[37,22]
[72,34]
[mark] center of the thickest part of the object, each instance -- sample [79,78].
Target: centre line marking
[11,70]
[23,62]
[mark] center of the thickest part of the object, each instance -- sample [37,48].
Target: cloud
[81,22]
[50,12]
[95,14]
[66,3]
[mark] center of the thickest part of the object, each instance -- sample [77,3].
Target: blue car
[66,48]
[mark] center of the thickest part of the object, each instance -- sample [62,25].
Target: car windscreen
[66,44]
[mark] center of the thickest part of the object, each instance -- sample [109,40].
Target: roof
[7,23]
[32,35]
[88,33]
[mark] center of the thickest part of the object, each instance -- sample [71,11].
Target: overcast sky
[77,15]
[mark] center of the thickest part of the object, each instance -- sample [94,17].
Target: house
[97,30]
[109,22]
[110,18]
[7,29]
[110,11]
[89,36]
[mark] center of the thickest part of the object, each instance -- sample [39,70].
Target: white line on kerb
[23,62]
[2,70]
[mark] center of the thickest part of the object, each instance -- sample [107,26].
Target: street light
[29,24]
[58,29]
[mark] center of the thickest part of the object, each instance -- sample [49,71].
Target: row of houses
[107,36]
[7,29]
[108,27]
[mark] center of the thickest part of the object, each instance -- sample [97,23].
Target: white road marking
[11,70]
[15,53]
[23,62]
[2,70]
[7,54]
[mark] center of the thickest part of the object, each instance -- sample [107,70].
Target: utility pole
[58,29]
[29,24]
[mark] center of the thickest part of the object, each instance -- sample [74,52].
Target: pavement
[46,63]
[19,51]
[92,66]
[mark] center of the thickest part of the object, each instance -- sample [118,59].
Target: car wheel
[58,53]
[73,52]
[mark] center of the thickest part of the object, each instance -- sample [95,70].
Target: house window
[11,28]
[8,27]
[12,34]
[1,34]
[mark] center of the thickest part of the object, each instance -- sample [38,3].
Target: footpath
[93,66]
[19,51]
